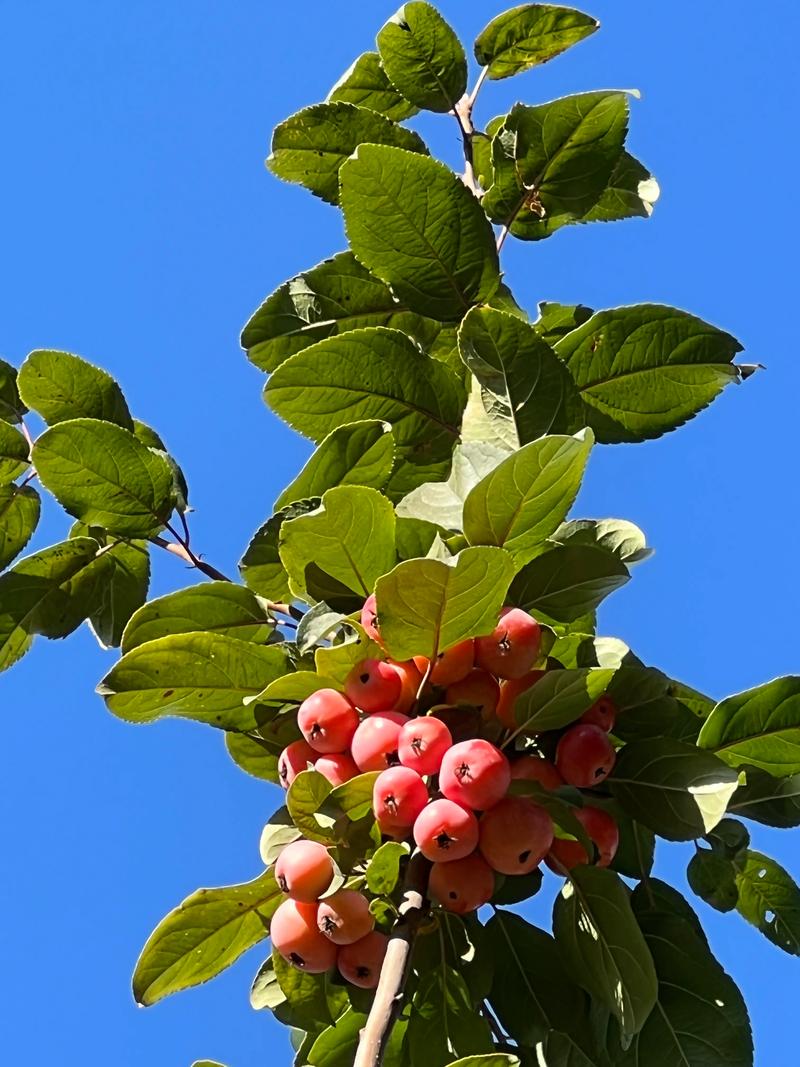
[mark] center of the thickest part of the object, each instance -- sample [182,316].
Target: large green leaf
[524,499]
[444,1023]
[760,727]
[560,697]
[350,538]
[529,35]
[254,756]
[336,1045]
[443,502]
[379,374]
[200,676]
[359,453]
[567,582]
[676,789]
[620,538]
[770,899]
[11,407]
[426,605]
[768,800]
[310,147]
[414,223]
[104,476]
[365,84]
[127,584]
[645,370]
[14,453]
[60,386]
[423,58]
[19,516]
[216,607]
[713,878]
[205,934]
[310,1001]
[602,946]
[261,567]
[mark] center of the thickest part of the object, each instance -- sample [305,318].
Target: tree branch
[389,994]
[182,551]
[463,115]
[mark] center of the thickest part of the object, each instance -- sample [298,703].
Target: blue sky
[140,229]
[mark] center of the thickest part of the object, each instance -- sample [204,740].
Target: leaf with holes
[770,899]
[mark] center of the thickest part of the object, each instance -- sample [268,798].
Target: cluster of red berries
[451,798]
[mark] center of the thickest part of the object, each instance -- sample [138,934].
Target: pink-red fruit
[304,870]
[369,618]
[360,963]
[327,721]
[296,936]
[373,686]
[474,774]
[585,756]
[603,831]
[422,744]
[536,769]
[513,646]
[462,886]
[410,681]
[510,691]
[602,713]
[345,917]
[477,689]
[338,767]
[516,835]
[451,665]
[294,759]
[398,796]
[445,832]
[374,744]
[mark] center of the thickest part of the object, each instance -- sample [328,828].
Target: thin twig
[501,237]
[26,433]
[182,552]
[473,96]
[463,116]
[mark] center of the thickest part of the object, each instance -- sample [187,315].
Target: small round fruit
[462,886]
[338,767]
[602,713]
[374,744]
[294,759]
[585,756]
[536,769]
[509,692]
[422,744]
[410,681]
[327,720]
[453,664]
[603,831]
[345,917]
[445,832]
[515,836]
[476,690]
[296,936]
[512,648]
[360,963]
[369,618]
[373,685]
[304,870]
[398,796]
[475,774]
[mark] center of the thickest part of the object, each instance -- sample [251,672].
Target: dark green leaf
[444,1024]
[557,320]
[770,900]
[434,245]
[205,934]
[383,870]
[260,567]
[760,727]
[423,58]
[311,1001]
[713,879]
[104,476]
[127,584]
[320,623]
[254,756]
[148,436]
[729,838]
[353,799]
[336,1046]
[14,453]
[567,582]
[305,799]
[529,35]
[19,516]
[11,407]
[631,192]
[768,800]
[443,502]
[559,698]
[366,85]
[60,386]
[636,851]
[415,537]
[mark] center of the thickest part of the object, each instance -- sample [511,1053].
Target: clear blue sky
[140,229]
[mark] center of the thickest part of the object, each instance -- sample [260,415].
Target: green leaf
[205,934]
[11,407]
[494,1059]
[444,1024]
[337,661]
[559,698]
[311,1001]
[423,58]
[200,676]
[306,796]
[713,879]
[19,516]
[336,1046]
[260,567]
[366,85]
[127,584]
[207,1063]
[529,35]
[254,756]
[14,453]
[310,147]
[414,537]
[320,623]
[60,386]
[760,727]
[353,799]
[217,607]
[350,538]
[426,605]
[770,900]
[525,498]
[620,538]
[359,453]
[603,947]
[379,374]
[265,991]
[434,245]
[383,870]
[768,800]
[567,582]
[104,476]
[148,436]
[676,789]
[631,192]
[557,320]
[443,502]
[645,370]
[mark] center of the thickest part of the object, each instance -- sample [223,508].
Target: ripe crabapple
[474,774]
[345,917]
[513,646]
[338,767]
[445,832]
[294,759]
[398,796]
[422,744]
[462,886]
[360,963]
[296,936]
[585,756]
[304,870]
[509,691]
[603,831]
[327,720]
[602,713]
[515,835]
[476,690]
[374,744]
[369,618]
[373,685]
[410,681]
[536,769]
[451,665]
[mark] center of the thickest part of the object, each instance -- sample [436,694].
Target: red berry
[509,691]
[294,759]
[327,720]
[453,664]
[602,713]
[345,917]
[369,618]
[585,756]
[398,796]
[422,744]
[536,769]
[513,646]
[445,832]
[410,681]
[304,870]
[296,936]
[360,963]
[338,767]
[373,686]
[476,690]
[374,745]
[603,831]
[475,774]
[462,886]
[515,835]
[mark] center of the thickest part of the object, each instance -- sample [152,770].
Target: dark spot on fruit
[463,771]
[453,895]
[296,959]
[316,730]
[443,841]
[283,885]
[328,924]
[524,856]
[392,759]
[363,678]
[363,972]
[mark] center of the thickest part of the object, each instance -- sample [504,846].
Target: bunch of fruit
[450,797]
